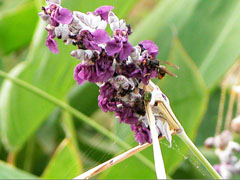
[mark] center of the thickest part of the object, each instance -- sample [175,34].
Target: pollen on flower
[111,61]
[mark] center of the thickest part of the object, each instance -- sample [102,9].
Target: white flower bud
[235,125]
[49,2]
[44,16]
[50,27]
[79,54]
[62,31]
[209,142]
[135,55]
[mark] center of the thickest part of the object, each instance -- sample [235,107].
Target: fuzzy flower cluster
[112,62]
[226,150]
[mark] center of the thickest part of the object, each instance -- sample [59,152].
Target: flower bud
[209,143]
[235,125]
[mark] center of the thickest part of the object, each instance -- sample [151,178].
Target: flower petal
[63,15]
[52,44]
[113,47]
[101,36]
[126,51]
[103,11]
[151,47]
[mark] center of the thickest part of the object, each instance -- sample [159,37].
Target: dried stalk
[221,109]
[96,170]
[230,110]
[159,165]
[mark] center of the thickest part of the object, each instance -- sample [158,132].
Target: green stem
[183,136]
[77,114]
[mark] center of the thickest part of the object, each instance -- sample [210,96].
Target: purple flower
[107,104]
[103,11]
[106,99]
[58,14]
[51,43]
[99,71]
[63,15]
[101,36]
[142,134]
[151,47]
[126,115]
[116,45]
[130,70]
[91,40]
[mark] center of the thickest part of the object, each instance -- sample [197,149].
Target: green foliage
[65,163]
[16,16]
[201,37]
[9,172]
[208,30]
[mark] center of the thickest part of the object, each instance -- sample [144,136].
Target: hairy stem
[77,114]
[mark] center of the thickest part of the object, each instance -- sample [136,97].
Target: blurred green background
[38,139]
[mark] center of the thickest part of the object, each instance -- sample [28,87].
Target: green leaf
[65,163]
[17,25]
[9,172]
[21,112]
[188,97]
[208,30]
[186,92]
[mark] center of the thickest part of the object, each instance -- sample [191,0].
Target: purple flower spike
[118,68]
[63,15]
[52,44]
[103,12]
[151,47]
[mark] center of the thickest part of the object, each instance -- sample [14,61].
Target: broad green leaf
[17,25]
[186,92]
[22,112]
[65,163]
[208,30]
[9,172]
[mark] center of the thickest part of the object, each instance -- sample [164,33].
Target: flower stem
[77,114]
[183,136]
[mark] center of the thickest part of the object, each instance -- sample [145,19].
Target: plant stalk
[96,170]
[159,164]
[183,136]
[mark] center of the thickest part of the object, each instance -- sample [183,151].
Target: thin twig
[96,170]
[236,89]
[221,109]
[159,165]
[230,110]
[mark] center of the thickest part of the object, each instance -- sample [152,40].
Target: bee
[162,71]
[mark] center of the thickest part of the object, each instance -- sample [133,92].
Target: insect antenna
[163,69]
[168,63]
